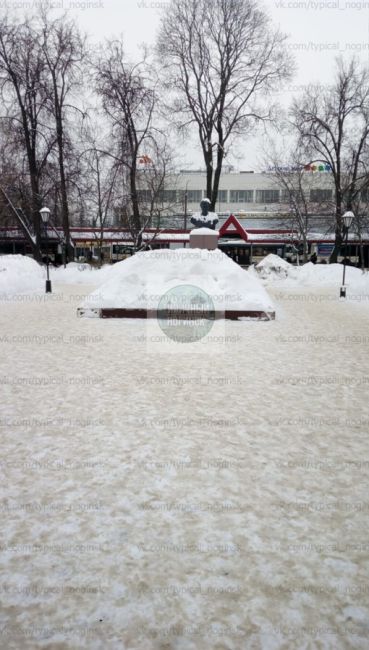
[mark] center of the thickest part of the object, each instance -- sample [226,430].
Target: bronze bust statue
[206,219]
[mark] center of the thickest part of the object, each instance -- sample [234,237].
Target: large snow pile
[19,274]
[141,281]
[273,267]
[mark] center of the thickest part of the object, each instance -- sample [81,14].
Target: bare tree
[13,175]
[22,76]
[63,49]
[286,167]
[154,199]
[296,197]
[101,186]
[130,99]
[333,128]
[220,56]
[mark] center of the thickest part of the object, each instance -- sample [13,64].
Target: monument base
[204,238]
[116,312]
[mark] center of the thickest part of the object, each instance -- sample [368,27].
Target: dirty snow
[274,263]
[184,502]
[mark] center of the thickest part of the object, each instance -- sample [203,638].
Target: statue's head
[205,205]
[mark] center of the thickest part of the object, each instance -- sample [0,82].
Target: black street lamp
[347,221]
[45,214]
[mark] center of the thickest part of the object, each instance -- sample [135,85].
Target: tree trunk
[25,226]
[36,217]
[65,213]
[306,248]
[136,223]
[35,189]
[338,231]
[36,246]
[209,173]
[218,171]
[63,182]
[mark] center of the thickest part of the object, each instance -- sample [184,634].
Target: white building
[242,192]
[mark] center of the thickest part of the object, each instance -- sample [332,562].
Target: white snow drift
[275,270]
[19,274]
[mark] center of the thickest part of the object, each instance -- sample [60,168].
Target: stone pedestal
[204,238]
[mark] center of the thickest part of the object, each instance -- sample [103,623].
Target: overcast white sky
[318,31]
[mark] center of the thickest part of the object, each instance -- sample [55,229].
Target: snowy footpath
[176,500]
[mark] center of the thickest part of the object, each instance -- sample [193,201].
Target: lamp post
[347,221]
[45,214]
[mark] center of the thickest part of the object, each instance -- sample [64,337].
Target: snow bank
[20,274]
[141,281]
[331,275]
[274,269]
[327,274]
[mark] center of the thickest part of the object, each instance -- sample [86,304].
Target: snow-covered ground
[185,502]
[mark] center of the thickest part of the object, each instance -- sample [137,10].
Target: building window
[288,195]
[319,196]
[222,196]
[167,196]
[242,196]
[144,196]
[267,196]
[194,196]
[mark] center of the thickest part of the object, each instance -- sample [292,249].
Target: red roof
[232,226]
